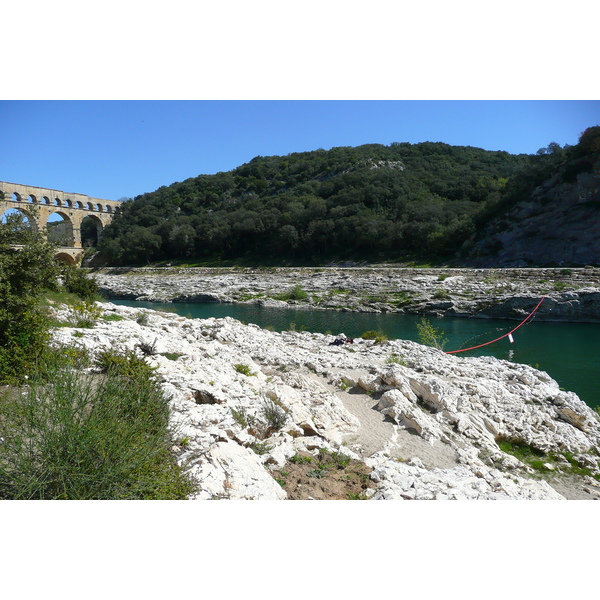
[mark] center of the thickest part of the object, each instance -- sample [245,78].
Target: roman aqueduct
[38,204]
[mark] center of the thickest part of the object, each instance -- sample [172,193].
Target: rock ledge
[426,424]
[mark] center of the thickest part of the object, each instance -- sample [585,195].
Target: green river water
[568,352]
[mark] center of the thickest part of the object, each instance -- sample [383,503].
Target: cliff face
[559,224]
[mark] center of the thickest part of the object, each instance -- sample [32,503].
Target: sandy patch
[378,433]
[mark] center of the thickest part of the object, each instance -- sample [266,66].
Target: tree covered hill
[551,217]
[372,202]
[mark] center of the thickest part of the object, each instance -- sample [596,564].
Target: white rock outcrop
[571,294]
[225,380]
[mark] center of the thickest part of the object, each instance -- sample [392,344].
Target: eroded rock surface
[426,423]
[571,294]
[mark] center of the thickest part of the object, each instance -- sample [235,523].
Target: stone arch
[66,258]
[32,199]
[62,232]
[23,210]
[91,229]
[16,197]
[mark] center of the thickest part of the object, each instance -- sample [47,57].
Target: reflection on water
[568,352]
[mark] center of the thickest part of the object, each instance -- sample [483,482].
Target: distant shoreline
[572,294]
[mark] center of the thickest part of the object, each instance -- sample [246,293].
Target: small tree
[430,336]
[27,267]
[78,283]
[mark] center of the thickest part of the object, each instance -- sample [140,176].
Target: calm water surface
[568,352]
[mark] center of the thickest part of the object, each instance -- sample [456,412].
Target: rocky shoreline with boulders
[291,415]
[571,294]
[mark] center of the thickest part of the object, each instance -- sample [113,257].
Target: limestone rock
[234,472]
[395,405]
[444,412]
[506,293]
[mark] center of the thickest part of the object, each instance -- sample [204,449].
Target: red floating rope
[527,318]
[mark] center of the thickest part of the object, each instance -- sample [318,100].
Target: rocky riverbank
[571,294]
[265,415]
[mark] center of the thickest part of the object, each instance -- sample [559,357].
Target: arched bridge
[73,208]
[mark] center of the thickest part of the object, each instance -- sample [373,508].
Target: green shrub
[77,282]
[124,364]
[299,459]
[335,459]
[395,359]
[376,336]
[341,460]
[85,315]
[537,459]
[274,415]
[83,436]
[318,473]
[260,448]
[171,355]
[244,370]
[577,468]
[296,293]
[142,319]
[521,450]
[112,318]
[24,274]
[430,336]
[241,417]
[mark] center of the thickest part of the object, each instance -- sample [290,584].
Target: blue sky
[113,149]
[120,101]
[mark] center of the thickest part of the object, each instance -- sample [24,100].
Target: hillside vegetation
[372,203]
